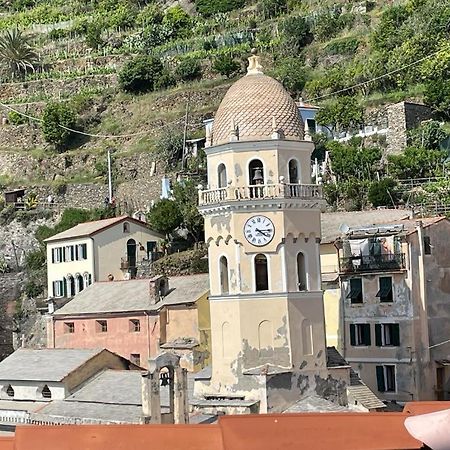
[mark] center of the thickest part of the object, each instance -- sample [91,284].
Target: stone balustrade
[260,191]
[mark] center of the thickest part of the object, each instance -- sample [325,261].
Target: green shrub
[140,74]
[170,147]
[16,118]
[55,117]
[34,288]
[177,20]
[382,193]
[226,65]
[189,69]
[35,260]
[165,80]
[210,7]
[292,74]
[94,35]
[165,216]
[268,9]
[344,46]
[295,33]
[58,33]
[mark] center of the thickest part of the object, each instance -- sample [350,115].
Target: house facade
[97,251]
[138,318]
[394,295]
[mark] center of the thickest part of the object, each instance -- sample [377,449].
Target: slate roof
[332,221]
[362,393]
[91,228]
[52,364]
[335,359]
[133,295]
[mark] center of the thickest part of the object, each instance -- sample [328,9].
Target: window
[10,391]
[293,171]
[355,295]
[223,264]
[57,255]
[83,251]
[387,334]
[46,393]
[102,326]
[135,325]
[69,327]
[58,288]
[360,334]
[261,273]
[126,227]
[385,291]
[311,125]
[301,272]
[386,378]
[427,245]
[135,358]
[222,176]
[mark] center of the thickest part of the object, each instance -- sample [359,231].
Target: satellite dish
[344,228]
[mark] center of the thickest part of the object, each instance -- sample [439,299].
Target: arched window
[223,264]
[131,257]
[261,273]
[10,391]
[307,337]
[226,339]
[256,172]
[79,282]
[126,227]
[301,273]
[222,176]
[70,285]
[46,393]
[265,335]
[293,171]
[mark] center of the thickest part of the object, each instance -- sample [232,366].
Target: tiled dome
[254,108]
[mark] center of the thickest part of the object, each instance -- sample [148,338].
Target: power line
[374,79]
[101,136]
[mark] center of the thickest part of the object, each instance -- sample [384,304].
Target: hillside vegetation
[138,64]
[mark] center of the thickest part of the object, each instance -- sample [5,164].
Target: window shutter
[76,253]
[63,252]
[53,255]
[380,379]
[54,288]
[84,250]
[64,288]
[396,335]
[378,341]
[352,334]
[366,334]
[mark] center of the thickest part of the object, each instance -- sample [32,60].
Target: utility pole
[110,191]
[15,254]
[186,118]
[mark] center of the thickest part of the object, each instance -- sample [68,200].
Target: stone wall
[21,136]
[55,88]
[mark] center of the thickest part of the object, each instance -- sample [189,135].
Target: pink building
[132,318]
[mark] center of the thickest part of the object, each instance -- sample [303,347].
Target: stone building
[394,280]
[262,225]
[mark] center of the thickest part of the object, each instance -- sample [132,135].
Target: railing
[369,263]
[260,191]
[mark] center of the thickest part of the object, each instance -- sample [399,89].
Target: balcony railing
[260,191]
[370,263]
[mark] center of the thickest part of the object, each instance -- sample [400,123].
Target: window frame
[135,358]
[101,325]
[135,325]
[360,335]
[387,332]
[69,327]
[388,296]
[427,245]
[386,376]
[353,300]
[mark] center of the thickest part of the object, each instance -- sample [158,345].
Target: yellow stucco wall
[331,302]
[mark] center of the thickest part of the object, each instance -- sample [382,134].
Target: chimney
[158,288]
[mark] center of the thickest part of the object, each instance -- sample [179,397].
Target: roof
[332,221]
[256,105]
[314,403]
[425,407]
[133,295]
[361,393]
[335,359]
[91,228]
[50,364]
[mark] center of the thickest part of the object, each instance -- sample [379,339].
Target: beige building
[394,280]
[97,251]
[262,225]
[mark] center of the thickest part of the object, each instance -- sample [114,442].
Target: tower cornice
[270,144]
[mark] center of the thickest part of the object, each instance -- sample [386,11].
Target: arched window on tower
[261,273]
[222,176]
[293,171]
[223,264]
[301,273]
[256,178]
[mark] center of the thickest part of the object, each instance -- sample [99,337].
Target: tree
[382,193]
[170,147]
[165,216]
[56,120]
[186,197]
[271,8]
[437,95]
[226,65]
[16,53]
[342,113]
[140,74]
[177,20]
[296,33]
[210,7]
[189,69]
[292,74]
[429,135]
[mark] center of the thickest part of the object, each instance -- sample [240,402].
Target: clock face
[259,230]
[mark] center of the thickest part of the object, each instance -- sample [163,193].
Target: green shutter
[366,334]
[380,379]
[352,334]
[84,250]
[395,334]
[378,334]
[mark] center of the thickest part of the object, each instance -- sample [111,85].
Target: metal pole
[110,191]
[185,131]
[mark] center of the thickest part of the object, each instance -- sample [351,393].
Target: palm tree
[16,54]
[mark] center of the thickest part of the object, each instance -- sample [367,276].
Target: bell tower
[262,226]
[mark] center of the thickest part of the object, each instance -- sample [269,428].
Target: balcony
[260,191]
[372,263]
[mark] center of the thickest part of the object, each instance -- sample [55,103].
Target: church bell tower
[262,226]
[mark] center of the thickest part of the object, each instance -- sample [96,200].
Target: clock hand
[261,232]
